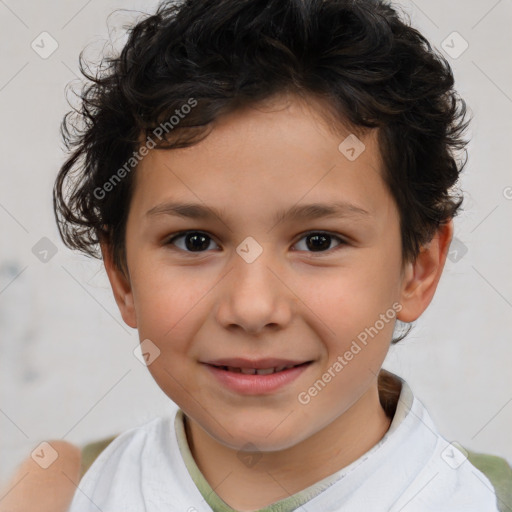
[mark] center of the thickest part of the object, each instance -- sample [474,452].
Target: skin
[291,302]
[45,490]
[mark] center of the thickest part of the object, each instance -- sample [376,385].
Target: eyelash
[342,241]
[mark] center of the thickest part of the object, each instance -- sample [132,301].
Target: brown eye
[320,242]
[194,241]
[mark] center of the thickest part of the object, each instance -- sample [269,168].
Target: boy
[309,146]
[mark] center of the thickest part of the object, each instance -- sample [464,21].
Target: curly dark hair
[369,65]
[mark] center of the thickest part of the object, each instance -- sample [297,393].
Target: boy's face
[300,299]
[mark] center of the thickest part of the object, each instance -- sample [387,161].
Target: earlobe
[121,288]
[422,276]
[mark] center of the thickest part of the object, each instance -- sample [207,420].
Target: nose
[254,296]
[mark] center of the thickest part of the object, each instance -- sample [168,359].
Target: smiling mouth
[259,371]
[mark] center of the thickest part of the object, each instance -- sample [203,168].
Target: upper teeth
[259,371]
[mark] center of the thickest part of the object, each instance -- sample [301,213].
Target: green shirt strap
[91,451]
[499,472]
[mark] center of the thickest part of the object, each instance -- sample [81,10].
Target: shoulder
[109,451]
[457,479]
[140,469]
[450,477]
[499,473]
[115,468]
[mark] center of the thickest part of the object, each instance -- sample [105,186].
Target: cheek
[352,296]
[167,301]
[169,310]
[354,308]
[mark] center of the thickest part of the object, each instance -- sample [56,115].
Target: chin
[266,436]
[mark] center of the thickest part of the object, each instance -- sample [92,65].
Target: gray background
[68,368]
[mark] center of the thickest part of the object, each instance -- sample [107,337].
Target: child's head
[265,107]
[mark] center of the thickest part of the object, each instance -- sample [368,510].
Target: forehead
[267,158]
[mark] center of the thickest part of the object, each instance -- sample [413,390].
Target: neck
[279,474]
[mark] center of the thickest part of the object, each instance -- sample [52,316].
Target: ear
[121,287]
[422,276]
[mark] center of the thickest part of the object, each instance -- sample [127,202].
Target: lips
[256,377]
[265,366]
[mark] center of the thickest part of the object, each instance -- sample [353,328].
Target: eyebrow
[302,212]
